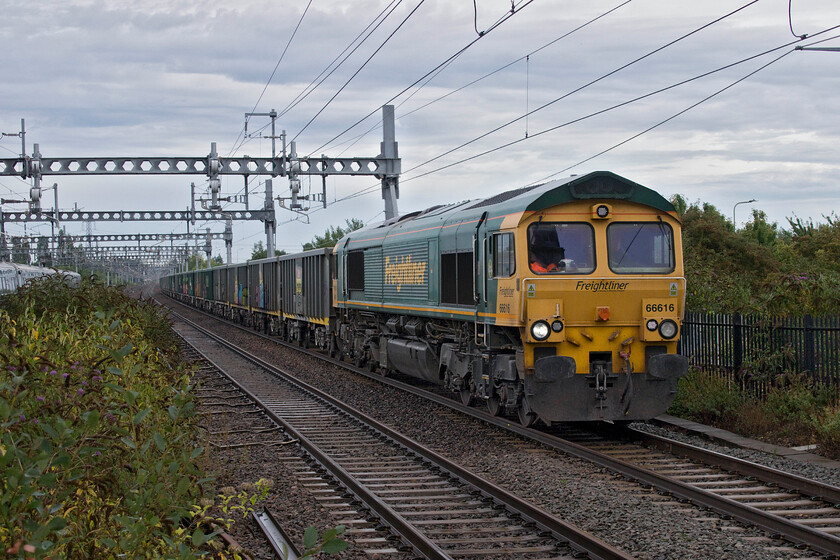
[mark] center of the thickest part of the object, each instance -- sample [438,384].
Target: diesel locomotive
[559,302]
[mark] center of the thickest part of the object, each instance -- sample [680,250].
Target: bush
[96,428]
[826,429]
[705,398]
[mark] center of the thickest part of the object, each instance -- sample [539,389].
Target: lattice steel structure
[385,167]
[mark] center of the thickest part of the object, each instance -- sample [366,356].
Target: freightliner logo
[601,286]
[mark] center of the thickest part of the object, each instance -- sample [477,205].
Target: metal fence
[733,343]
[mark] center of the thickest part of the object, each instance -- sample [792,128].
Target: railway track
[801,511]
[796,500]
[435,507]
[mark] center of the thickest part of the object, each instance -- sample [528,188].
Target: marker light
[651,325]
[540,330]
[557,326]
[602,313]
[668,329]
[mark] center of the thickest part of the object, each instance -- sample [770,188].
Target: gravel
[642,522]
[828,475]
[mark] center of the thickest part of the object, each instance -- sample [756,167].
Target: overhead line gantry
[385,166]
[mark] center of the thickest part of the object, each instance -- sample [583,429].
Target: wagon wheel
[526,416]
[494,405]
[466,393]
[359,359]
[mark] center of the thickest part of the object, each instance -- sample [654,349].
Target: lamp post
[736,205]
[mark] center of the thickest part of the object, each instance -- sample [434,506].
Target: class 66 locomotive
[557,302]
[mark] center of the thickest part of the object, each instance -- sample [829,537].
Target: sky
[742,113]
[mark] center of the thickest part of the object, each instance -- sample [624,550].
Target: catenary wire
[356,73]
[675,115]
[636,99]
[514,10]
[586,85]
[597,113]
[390,8]
[790,21]
[273,72]
[485,76]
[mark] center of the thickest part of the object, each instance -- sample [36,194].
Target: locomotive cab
[602,300]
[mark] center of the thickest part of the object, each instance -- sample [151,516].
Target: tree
[217,261]
[333,234]
[195,262]
[680,204]
[260,251]
[816,246]
[761,231]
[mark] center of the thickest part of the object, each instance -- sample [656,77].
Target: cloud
[119,78]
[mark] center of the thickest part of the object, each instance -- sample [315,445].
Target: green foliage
[260,251]
[96,427]
[791,410]
[759,230]
[680,204]
[706,398]
[196,262]
[791,402]
[229,505]
[333,235]
[826,428]
[328,543]
[816,245]
[761,269]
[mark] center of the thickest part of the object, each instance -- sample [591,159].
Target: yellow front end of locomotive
[601,303]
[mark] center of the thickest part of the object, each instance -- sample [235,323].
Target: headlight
[652,324]
[557,326]
[540,330]
[668,329]
[602,211]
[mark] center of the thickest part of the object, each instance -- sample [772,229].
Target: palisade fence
[737,343]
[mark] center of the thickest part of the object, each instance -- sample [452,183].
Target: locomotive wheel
[359,359]
[526,416]
[494,405]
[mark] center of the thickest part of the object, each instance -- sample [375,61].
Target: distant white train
[13,276]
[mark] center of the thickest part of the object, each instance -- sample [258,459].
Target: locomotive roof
[595,185]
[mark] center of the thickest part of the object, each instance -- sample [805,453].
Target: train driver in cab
[541,265]
[545,256]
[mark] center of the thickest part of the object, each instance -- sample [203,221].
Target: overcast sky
[160,78]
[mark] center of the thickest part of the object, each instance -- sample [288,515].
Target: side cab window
[356,270]
[504,257]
